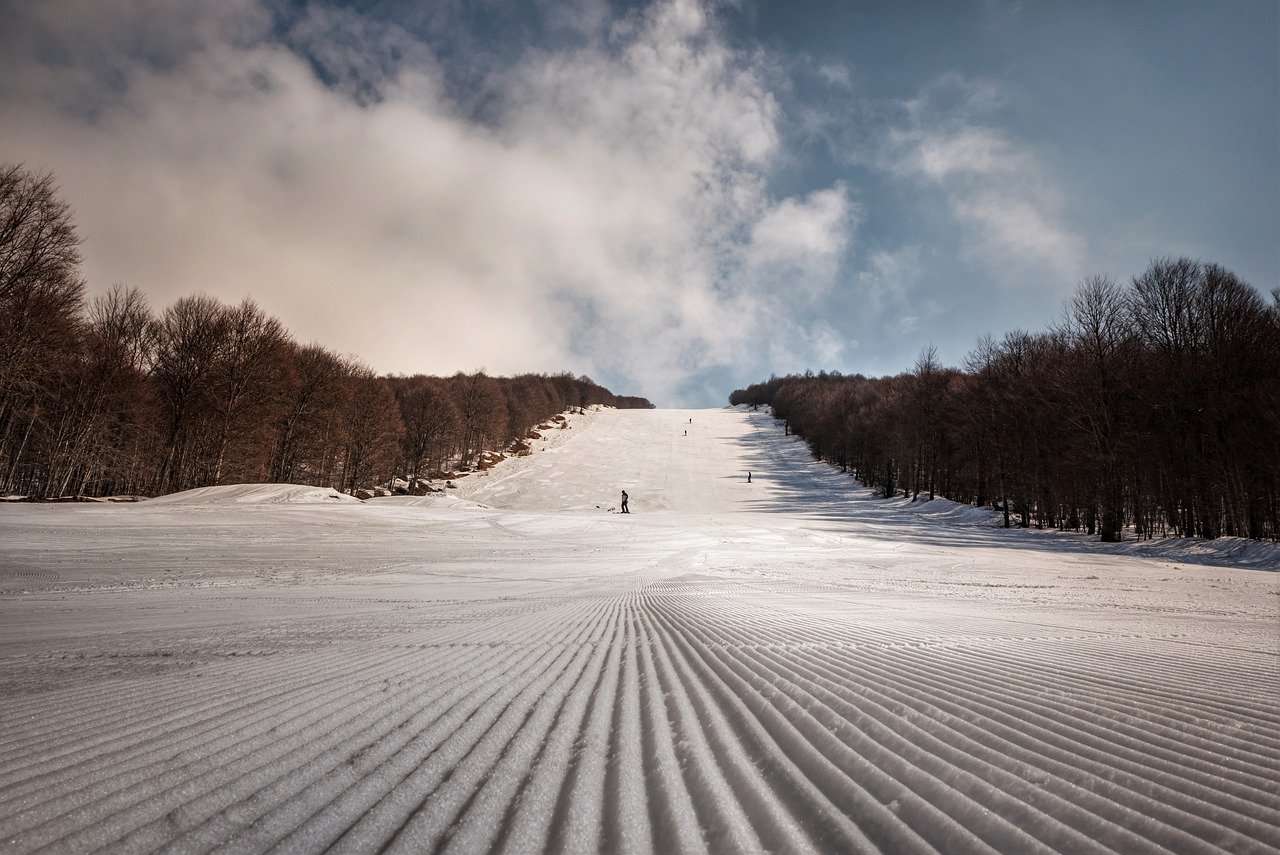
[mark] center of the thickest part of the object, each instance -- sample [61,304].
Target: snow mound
[257,494]
[431,500]
[1229,551]
[946,511]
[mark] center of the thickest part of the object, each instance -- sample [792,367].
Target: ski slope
[787,666]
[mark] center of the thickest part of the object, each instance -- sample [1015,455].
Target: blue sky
[676,198]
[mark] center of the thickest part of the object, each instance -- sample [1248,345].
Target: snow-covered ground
[787,665]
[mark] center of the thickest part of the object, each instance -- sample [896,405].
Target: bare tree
[246,374]
[431,425]
[99,390]
[1099,332]
[314,387]
[190,337]
[481,409]
[41,293]
[373,430]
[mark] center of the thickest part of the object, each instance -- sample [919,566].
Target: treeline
[106,396]
[1154,406]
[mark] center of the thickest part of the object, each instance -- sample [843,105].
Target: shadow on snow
[791,481]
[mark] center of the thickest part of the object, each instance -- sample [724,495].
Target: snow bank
[257,494]
[431,500]
[946,511]
[1224,551]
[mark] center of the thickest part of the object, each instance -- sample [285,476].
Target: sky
[676,198]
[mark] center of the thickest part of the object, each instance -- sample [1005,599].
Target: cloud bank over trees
[605,206]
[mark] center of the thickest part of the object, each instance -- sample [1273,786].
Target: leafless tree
[431,425]
[314,387]
[246,375]
[41,294]
[372,430]
[482,411]
[190,337]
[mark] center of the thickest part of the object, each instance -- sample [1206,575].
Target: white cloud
[1013,224]
[888,282]
[966,151]
[836,74]
[608,213]
[800,241]
[993,183]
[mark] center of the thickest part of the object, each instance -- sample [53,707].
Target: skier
[625,510]
[748,477]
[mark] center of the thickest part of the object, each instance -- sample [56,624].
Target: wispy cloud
[836,74]
[889,287]
[993,183]
[798,243]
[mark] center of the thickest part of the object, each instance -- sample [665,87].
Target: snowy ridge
[256,494]
[740,671]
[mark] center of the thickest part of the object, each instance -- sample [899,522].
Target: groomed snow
[787,665]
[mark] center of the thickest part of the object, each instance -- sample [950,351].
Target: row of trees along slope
[1154,406]
[104,396]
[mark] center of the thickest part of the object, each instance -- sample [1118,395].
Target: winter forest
[1153,407]
[105,396]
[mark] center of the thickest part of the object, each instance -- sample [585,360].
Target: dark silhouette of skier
[625,509]
[748,477]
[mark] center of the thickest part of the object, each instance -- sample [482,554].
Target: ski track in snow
[785,666]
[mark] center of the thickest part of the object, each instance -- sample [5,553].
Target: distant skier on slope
[748,477]
[625,509]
